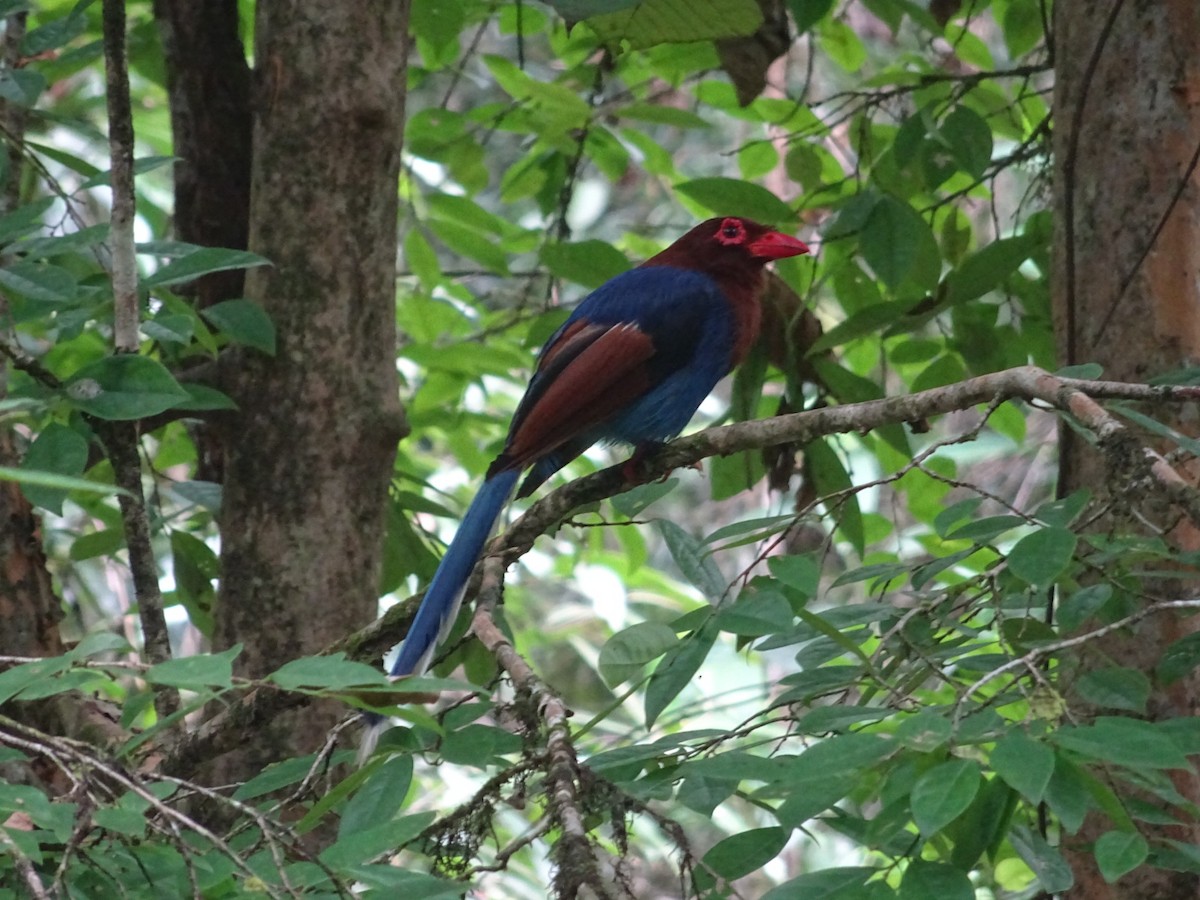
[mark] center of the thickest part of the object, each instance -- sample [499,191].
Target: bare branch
[120,144]
[121,438]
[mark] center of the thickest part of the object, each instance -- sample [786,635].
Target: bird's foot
[634,469]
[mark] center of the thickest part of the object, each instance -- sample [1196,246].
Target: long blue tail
[439,607]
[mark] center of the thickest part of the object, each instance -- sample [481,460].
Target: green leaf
[1126,742]
[169,328]
[39,281]
[842,44]
[1119,852]
[756,613]
[1079,606]
[986,269]
[437,22]
[421,259]
[56,33]
[676,670]
[1046,862]
[380,796]
[829,476]
[470,243]
[1040,558]
[943,793]
[801,573]
[1024,763]
[924,880]
[124,386]
[969,139]
[99,643]
[811,795]
[984,530]
[652,22]
[63,245]
[192,672]
[329,672]
[275,777]
[890,239]
[578,10]
[141,165]
[745,852]
[807,13]
[478,745]
[827,884]
[243,321]
[1061,513]
[867,321]
[380,839]
[202,261]
[985,824]
[748,531]
[25,219]
[1179,659]
[1024,28]
[386,880]
[848,754]
[58,450]
[122,821]
[694,561]
[731,197]
[556,103]
[925,731]
[205,494]
[590,263]
[1067,793]
[100,543]
[203,397]
[626,653]
[1115,688]
[18,678]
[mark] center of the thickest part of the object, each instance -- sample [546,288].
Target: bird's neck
[745,297]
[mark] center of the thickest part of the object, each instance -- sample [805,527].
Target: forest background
[272,277]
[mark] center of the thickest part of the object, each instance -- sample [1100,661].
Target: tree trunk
[310,455]
[208,84]
[1127,295]
[208,81]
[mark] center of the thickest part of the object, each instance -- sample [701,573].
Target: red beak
[774,245]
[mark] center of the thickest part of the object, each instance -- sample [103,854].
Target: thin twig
[120,147]
[1034,656]
[121,438]
[24,867]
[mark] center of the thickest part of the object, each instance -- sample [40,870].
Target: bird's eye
[732,231]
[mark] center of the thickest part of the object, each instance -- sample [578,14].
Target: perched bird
[630,365]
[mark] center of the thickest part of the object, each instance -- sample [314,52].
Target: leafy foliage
[846,670]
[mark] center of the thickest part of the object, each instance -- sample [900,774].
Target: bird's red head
[761,242]
[728,243]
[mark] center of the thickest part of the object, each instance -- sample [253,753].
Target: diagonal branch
[1069,395]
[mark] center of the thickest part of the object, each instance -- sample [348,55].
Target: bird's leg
[632,470]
